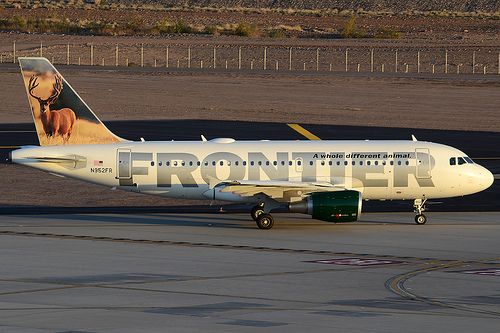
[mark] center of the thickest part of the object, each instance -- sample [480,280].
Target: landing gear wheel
[420,219]
[256,212]
[265,221]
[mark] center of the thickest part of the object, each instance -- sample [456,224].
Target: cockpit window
[460,160]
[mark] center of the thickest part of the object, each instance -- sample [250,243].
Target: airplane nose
[485,178]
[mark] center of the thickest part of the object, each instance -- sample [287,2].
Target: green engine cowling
[340,206]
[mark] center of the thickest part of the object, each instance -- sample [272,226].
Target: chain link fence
[258,58]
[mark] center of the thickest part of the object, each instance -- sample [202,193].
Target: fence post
[41,45]
[14,52]
[189,56]
[396,68]
[239,58]
[346,59]
[446,62]
[215,56]
[498,63]
[418,62]
[67,56]
[317,59]
[276,64]
[474,62]
[290,60]
[371,66]
[142,55]
[265,57]
[116,56]
[166,62]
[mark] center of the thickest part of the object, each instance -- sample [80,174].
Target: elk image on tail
[55,122]
[61,117]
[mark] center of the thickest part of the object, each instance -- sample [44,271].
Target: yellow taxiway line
[303,131]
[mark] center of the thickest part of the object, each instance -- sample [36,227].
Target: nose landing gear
[419,208]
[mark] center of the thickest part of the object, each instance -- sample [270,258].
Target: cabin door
[123,164]
[423,158]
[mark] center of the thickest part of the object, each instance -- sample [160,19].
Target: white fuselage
[378,169]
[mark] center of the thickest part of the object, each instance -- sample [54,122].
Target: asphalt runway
[219,273]
[481,146]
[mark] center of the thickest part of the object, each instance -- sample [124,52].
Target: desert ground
[465,102]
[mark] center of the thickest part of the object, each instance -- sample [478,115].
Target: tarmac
[219,272]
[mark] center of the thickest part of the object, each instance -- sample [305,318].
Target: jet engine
[339,206]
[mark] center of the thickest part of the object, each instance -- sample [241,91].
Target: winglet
[61,117]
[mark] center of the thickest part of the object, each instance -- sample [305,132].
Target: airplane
[325,179]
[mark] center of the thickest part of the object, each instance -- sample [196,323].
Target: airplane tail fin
[61,117]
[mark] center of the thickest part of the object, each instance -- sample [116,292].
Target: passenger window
[399,162]
[190,163]
[453,161]
[198,163]
[407,163]
[353,163]
[360,162]
[392,162]
[299,162]
[461,161]
[338,163]
[267,162]
[236,163]
[368,163]
[260,162]
[152,163]
[289,162]
[213,163]
[345,162]
[282,162]
[221,163]
[183,163]
[251,163]
[311,163]
[275,163]
[244,163]
[376,162]
[322,162]
[159,163]
[168,163]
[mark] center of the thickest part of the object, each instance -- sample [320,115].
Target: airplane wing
[281,191]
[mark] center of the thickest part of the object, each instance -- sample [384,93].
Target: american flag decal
[98,163]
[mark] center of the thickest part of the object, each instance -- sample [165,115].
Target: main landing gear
[263,220]
[419,208]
